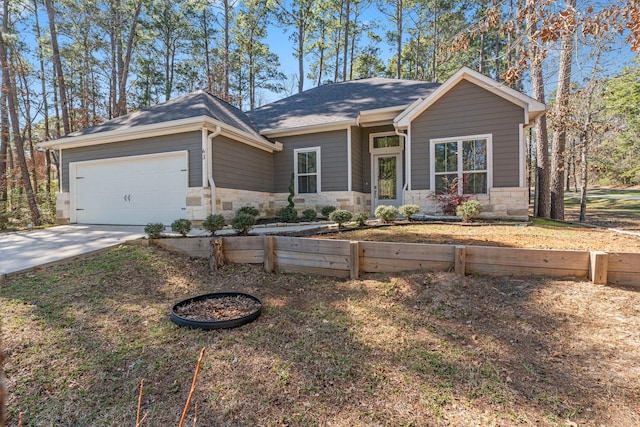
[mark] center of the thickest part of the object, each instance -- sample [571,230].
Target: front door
[387,182]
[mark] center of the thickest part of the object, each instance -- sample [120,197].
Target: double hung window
[461,165]
[307,170]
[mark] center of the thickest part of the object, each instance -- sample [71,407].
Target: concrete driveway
[27,249]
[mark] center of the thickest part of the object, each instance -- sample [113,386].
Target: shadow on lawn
[412,349]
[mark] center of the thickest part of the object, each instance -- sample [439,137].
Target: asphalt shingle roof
[196,104]
[338,102]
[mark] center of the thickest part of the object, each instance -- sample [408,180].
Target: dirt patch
[215,309]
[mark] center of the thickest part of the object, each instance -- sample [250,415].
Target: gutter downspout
[212,183]
[407,152]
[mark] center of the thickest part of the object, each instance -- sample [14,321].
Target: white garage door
[130,190]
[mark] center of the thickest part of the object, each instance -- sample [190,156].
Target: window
[461,161]
[307,170]
[386,141]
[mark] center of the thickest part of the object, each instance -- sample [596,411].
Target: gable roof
[532,108]
[338,104]
[188,112]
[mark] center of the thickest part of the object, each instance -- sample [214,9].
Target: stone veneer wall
[508,202]
[511,202]
[198,203]
[63,208]
[228,201]
[352,201]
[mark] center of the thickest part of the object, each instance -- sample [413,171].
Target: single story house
[354,145]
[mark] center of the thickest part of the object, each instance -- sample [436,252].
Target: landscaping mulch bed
[223,308]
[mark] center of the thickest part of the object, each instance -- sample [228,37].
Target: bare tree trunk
[481,54]
[3,388]
[4,144]
[13,114]
[207,56]
[560,129]
[300,50]
[58,65]
[227,48]
[27,116]
[434,65]
[399,13]
[125,63]
[347,18]
[583,179]
[542,204]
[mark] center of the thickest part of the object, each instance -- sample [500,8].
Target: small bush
[243,222]
[182,226]
[287,214]
[469,209]
[387,213]
[361,218]
[340,216]
[213,223]
[409,210]
[248,210]
[154,230]
[326,211]
[310,214]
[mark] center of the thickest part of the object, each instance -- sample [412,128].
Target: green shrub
[291,191]
[154,230]
[182,226]
[288,214]
[248,210]
[361,218]
[469,209]
[409,210]
[326,211]
[340,216]
[243,222]
[310,214]
[387,213]
[213,223]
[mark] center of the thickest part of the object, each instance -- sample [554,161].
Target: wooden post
[598,266]
[269,254]
[354,260]
[460,260]
[216,260]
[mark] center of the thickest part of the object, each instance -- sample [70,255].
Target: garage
[134,190]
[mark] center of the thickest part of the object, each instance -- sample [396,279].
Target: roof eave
[379,116]
[302,130]
[158,129]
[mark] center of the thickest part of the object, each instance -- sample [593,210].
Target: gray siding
[468,109]
[240,166]
[333,154]
[191,141]
[357,154]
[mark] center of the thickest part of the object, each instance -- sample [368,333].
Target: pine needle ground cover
[419,349]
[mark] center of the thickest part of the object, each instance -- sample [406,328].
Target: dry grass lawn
[517,235]
[418,349]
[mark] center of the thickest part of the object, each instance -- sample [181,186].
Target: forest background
[70,64]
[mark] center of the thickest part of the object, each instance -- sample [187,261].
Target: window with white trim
[307,170]
[461,161]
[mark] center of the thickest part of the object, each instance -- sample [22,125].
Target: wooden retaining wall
[343,258]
